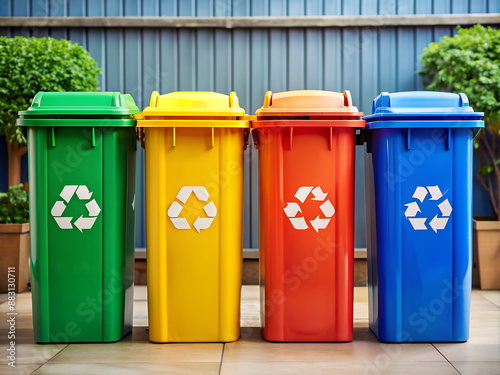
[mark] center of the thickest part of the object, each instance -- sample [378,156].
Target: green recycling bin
[82,174]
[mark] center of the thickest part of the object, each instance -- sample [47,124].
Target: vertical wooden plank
[114,60]
[332,59]
[5,10]
[423,36]
[350,7]
[5,31]
[113,8]
[132,54]
[39,8]
[333,7]
[204,8]
[59,32]
[168,60]
[387,7]
[168,8]
[40,32]
[277,7]
[369,69]
[241,8]
[96,49]
[460,6]
[493,6]
[187,69]
[369,7]
[259,8]
[423,7]
[387,59]
[314,61]
[351,80]
[296,60]
[241,85]
[296,7]
[406,6]
[78,35]
[314,7]
[204,60]
[441,7]
[478,6]
[222,8]
[186,8]
[20,8]
[259,73]
[76,8]
[406,67]
[58,8]
[440,31]
[150,8]
[95,8]
[351,62]
[131,8]
[277,60]
[150,64]
[223,62]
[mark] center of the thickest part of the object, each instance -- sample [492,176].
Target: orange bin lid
[308,103]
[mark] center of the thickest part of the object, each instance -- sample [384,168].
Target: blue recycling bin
[418,165]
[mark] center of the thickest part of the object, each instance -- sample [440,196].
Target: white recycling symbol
[201,222]
[293,208]
[412,208]
[83,193]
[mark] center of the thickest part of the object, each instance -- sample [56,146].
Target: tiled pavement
[253,355]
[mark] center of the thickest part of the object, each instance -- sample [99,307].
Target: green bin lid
[75,108]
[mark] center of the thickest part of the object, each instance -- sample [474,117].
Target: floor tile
[120,368]
[478,368]
[140,293]
[485,318]
[18,370]
[140,314]
[480,303]
[491,295]
[30,354]
[129,350]
[364,348]
[469,352]
[311,368]
[484,335]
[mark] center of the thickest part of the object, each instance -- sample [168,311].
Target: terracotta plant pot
[14,252]
[487,249]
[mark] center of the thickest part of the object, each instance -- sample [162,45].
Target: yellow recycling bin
[194,143]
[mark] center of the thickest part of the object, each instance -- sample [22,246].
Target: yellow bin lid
[192,103]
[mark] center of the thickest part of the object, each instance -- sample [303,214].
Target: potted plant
[469,62]
[29,65]
[14,239]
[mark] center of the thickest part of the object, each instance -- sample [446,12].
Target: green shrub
[14,205]
[469,62]
[29,65]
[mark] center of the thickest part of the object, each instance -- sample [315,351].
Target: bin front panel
[194,202]
[75,179]
[420,253]
[82,237]
[306,178]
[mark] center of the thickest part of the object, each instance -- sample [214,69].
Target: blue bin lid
[419,106]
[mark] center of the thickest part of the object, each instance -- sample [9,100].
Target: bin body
[306,143]
[82,174]
[419,216]
[194,147]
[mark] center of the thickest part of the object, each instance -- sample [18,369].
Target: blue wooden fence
[365,60]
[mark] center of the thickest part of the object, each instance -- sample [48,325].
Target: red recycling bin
[306,143]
